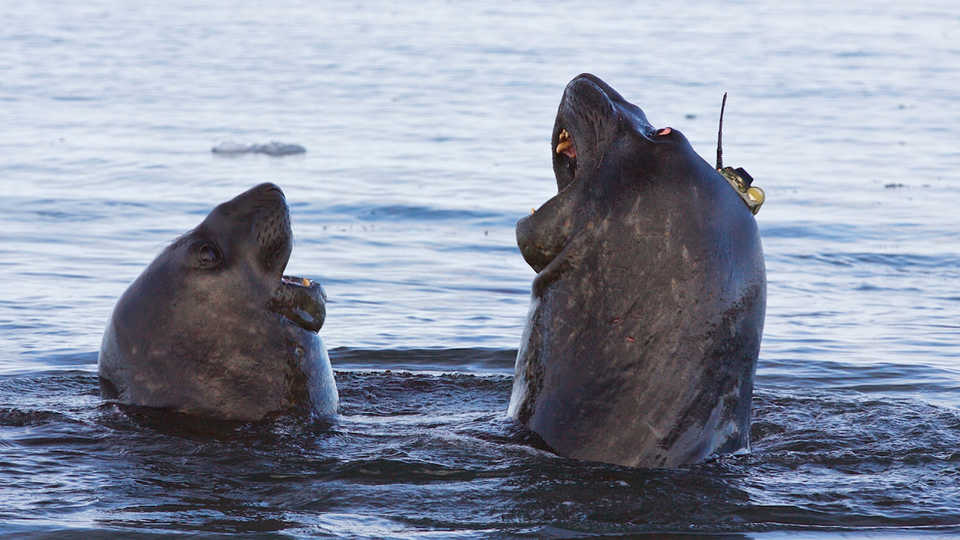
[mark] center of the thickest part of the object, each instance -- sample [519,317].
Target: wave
[439,359]
[434,443]
[420,213]
[895,261]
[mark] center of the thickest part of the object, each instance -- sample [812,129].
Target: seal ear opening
[206,255]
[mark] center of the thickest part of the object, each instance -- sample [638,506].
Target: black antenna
[720,134]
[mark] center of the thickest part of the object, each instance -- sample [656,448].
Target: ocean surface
[427,133]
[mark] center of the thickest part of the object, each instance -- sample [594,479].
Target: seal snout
[300,300]
[585,119]
[269,190]
[271,224]
[596,84]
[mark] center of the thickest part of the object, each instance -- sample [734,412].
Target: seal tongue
[301,301]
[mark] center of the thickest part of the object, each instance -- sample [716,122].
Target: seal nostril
[269,190]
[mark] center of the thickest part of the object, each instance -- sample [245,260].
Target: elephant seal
[212,328]
[647,309]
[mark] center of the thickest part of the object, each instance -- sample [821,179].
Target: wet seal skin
[212,328]
[647,309]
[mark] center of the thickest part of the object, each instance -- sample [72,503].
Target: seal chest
[647,309]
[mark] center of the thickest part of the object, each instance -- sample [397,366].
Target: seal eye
[207,256]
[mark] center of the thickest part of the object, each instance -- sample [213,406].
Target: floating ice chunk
[272,148]
[229,147]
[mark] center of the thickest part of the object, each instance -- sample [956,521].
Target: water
[427,133]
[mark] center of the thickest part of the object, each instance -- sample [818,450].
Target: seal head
[648,305]
[214,328]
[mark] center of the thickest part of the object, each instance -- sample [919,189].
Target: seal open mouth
[301,301]
[564,156]
[587,121]
[566,147]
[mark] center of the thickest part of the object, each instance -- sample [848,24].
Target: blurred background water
[427,130]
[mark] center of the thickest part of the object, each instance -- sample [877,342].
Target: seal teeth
[565,144]
[295,280]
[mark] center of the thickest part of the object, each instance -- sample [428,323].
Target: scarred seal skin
[647,309]
[213,328]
